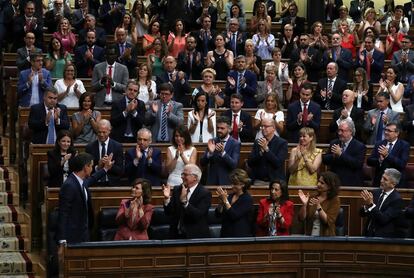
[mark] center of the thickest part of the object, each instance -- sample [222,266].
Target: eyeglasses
[187,174]
[336,39]
[389,130]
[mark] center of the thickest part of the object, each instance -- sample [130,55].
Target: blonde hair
[209,70]
[311,132]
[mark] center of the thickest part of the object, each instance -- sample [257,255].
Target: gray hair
[195,170]
[145,130]
[350,125]
[393,174]
[335,64]
[105,122]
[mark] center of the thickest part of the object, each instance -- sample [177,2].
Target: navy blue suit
[248,91]
[111,20]
[344,61]
[269,165]
[397,158]
[409,214]
[292,119]
[246,134]
[336,99]
[384,222]
[37,122]
[131,64]
[376,66]
[100,35]
[151,172]
[357,116]
[84,66]
[220,166]
[348,166]
[181,90]
[24,92]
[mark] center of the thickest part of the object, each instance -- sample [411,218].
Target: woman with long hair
[148,39]
[236,12]
[393,39]
[69,88]
[295,84]
[177,38]
[320,210]
[128,25]
[220,59]
[147,86]
[141,18]
[155,59]
[56,58]
[214,92]
[317,39]
[201,120]
[85,121]
[305,159]
[394,88]
[261,13]
[264,41]
[349,41]
[271,111]
[65,36]
[369,20]
[362,89]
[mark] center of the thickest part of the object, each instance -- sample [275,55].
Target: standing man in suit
[165,115]
[104,148]
[222,154]
[371,60]
[345,156]
[144,161]
[23,53]
[126,52]
[109,79]
[348,112]
[339,55]
[297,22]
[33,82]
[234,38]
[329,90]
[241,122]
[91,26]
[47,118]
[88,55]
[205,36]
[111,14]
[267,158]
[408,123]
[409,11]
[403,60]
[27,22]
[377,118]
[79,14]
[391,152]
[75,218]
[242,81]
[188,205]
[206,9]
[190,60]
[303,112]
[52,17]
[383,206]
[127,115]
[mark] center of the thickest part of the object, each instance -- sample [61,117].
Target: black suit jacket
[117,170]
[85,66]
[292,124]
[246,134]
[376,67]
[384,221]
[183,64]
[407,11]
[181,90]
[348,166]
[50,19]
[357,116]
[99,33]
[313,65]
[145,170]
[336,99]
[111,20]
[200,41]
[240,41]
[344,61]
[19,32]
[131,63]
[408,123]
[298,28]
[55,168]
[193,217]
[119,121]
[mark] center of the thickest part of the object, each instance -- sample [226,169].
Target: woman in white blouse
[147,86]
[271,111]
[394,88]
[201,120]
[69,88]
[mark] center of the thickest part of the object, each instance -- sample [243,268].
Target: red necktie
[108,82]
[235,127]
[368,65]
[305,115]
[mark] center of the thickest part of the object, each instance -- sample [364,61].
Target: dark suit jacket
[409,214]
[355,12]
[194,216]
[183,64]
[84,66]
[292,119]
[248,92]
[21,61]
[111,20]
[336,99]
[313,66]
[75,213]
[200,41]
[246,134]
[405,69]
[376,67]
[78,21]
[344,61]
[407,11]
[408,123]
[212,11]
[117,170]
[119,121]
[384,222]
[397,159]
[55,168]
[152,171]
[99,33]
[348,166]
[236,221]
[19,32]
[37,119]
[218,166]
[181,90]
[50,19]
[24,92]
[269,165]
[131,64]
[240,41]
[299,26]
[357,116]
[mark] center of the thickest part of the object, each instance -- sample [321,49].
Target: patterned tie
[328,99]
[51,129]
[305,114]
[380,129]
[239,79]
[108,83]
[368,66]
[235,127]
[389,147]
[164,123]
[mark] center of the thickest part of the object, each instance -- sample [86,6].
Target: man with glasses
[341,56]
[27,22]
[235,39]
[188,205]
[403,60]
[23,53]
[391,152]
[287,42]
[297,22]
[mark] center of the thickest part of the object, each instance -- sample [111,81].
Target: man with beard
[88,55]
[189,61]
[100,33]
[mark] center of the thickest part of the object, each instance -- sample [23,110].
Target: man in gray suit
[23,53]
[403,60]
[165,115]
[109,79]
[378,118]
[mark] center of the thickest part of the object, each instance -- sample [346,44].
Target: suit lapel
[195,193]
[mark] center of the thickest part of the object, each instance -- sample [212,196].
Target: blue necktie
[380,129]
[51,130]
[234,44]
[238,82]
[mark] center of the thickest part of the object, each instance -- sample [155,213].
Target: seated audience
[53,17]
[69,87]
[271,111]
[201,120]
[220,58]
[59,157]
[263,41]
[295,83]
[215,96]
[241,121]
[362,89]
[403,60]
[147,87]
[275,214]
[23,53]
[88,55]
[85,121]
[90,25]
[134,214]
[56,58]
[188,205]
[176,38]
[394,88]
[253,62]
[144,161]
[319,211]
[65,35]
[235,208]
[305,159]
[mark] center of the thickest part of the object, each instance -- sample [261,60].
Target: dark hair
[66,67]
[135,7]
[383,94]
[173,28]
[397,73]
[307,86]
[198,95]
[373,31]
[146,189]
[240,176]
[223,119]
[50,49]
[333,182]
[399,7]
[283,187]
[82,99]
[121,24]
[394,23]
[397,126]
[166,87]
[62,133]
[152,23]
[182,130]
[163,46]
[389,7]
[238,96]
[77,163]
[240,10]
[140,66]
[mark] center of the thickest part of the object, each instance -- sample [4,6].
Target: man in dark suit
[358,7]
[267,158]
[350,112]
[88,55]
[297,22]
[371,60]
[126,53]
[23,53]
[241,122]
[391,152]
[47,118]
[190,60]
[105,148]
[403,60]
[75,218]
[205,36]
[111,14]
[144,161]
[234,38]
[383,207]
[408,123]
[206,9]
[27,22]
[79,14]
[346,155]
[243,82]
[127,115]
[329,89]
[341,56]
[222,154]
[302,113]
[188,205]
[409,11]
[100,33]
[53,16]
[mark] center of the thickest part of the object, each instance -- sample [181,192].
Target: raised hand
[222,194]
[211,146]
[166,191]
[154,107]
[303,198]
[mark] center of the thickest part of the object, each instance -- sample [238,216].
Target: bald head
[348,97]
